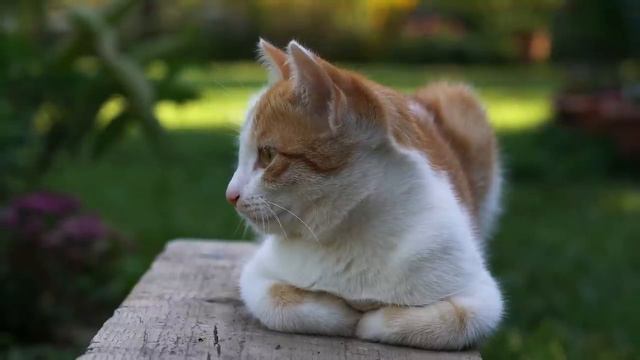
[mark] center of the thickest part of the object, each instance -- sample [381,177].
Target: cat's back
[462,123]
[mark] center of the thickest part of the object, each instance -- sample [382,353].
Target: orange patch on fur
[286,295]
[394,314]
[400,314]
[461,315]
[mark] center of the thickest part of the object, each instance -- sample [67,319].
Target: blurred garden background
[117,125]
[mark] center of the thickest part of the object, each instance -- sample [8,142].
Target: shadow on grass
[566,251]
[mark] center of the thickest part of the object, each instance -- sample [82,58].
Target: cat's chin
[280,230]
[259,217]
[264,226]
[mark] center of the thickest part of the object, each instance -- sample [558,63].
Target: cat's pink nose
[233,197]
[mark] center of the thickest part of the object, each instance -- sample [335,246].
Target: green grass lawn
[566,253]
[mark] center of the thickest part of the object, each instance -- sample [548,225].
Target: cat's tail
[462,120]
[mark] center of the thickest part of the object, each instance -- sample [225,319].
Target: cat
[374,206]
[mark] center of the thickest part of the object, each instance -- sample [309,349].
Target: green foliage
[597,31]
[354,30]
[443,49]
[500,16]
[39,352]
[358,30]
[494,30]
[376,30]
[52,88]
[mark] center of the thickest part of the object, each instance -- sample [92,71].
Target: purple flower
[28,228]
[46,203]
[78,230]
[33,214]
[9,218]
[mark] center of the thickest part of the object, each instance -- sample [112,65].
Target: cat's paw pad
[371,326]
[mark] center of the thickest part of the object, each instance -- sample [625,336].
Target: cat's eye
[265,156]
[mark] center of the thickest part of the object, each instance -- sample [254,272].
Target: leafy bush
[471,49]
[597,31]
[57,266]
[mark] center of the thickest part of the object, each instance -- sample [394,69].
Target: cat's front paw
[372,326]
[291,309]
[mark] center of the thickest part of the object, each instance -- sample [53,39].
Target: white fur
[420,112]
[389,229]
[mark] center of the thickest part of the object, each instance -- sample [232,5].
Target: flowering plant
[56,265]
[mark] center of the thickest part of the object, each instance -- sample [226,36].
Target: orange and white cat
[374,205]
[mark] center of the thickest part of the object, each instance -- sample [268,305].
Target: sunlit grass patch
[226,74]
[215,107]
[516,113]
[626,199]
[513,102]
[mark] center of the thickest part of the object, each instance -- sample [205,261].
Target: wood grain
[187,306]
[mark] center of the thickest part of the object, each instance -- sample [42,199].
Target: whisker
[276,217]
[246,227]
[297,217]
[237,227]
[262,226]
[221,86]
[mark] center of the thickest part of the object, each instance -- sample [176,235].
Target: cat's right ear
[274,59]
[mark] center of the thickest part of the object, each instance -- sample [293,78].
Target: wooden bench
[187,306]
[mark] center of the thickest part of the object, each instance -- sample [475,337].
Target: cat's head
[311,148]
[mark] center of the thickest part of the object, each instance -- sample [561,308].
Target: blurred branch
[117,10]
[59,88]
[126,73]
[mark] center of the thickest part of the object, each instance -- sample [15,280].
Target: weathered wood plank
[187,306]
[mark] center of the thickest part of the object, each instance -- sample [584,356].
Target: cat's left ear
[315,87]
[274,59]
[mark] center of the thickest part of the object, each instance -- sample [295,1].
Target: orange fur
[394,315]
[461,315]
[284,295]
